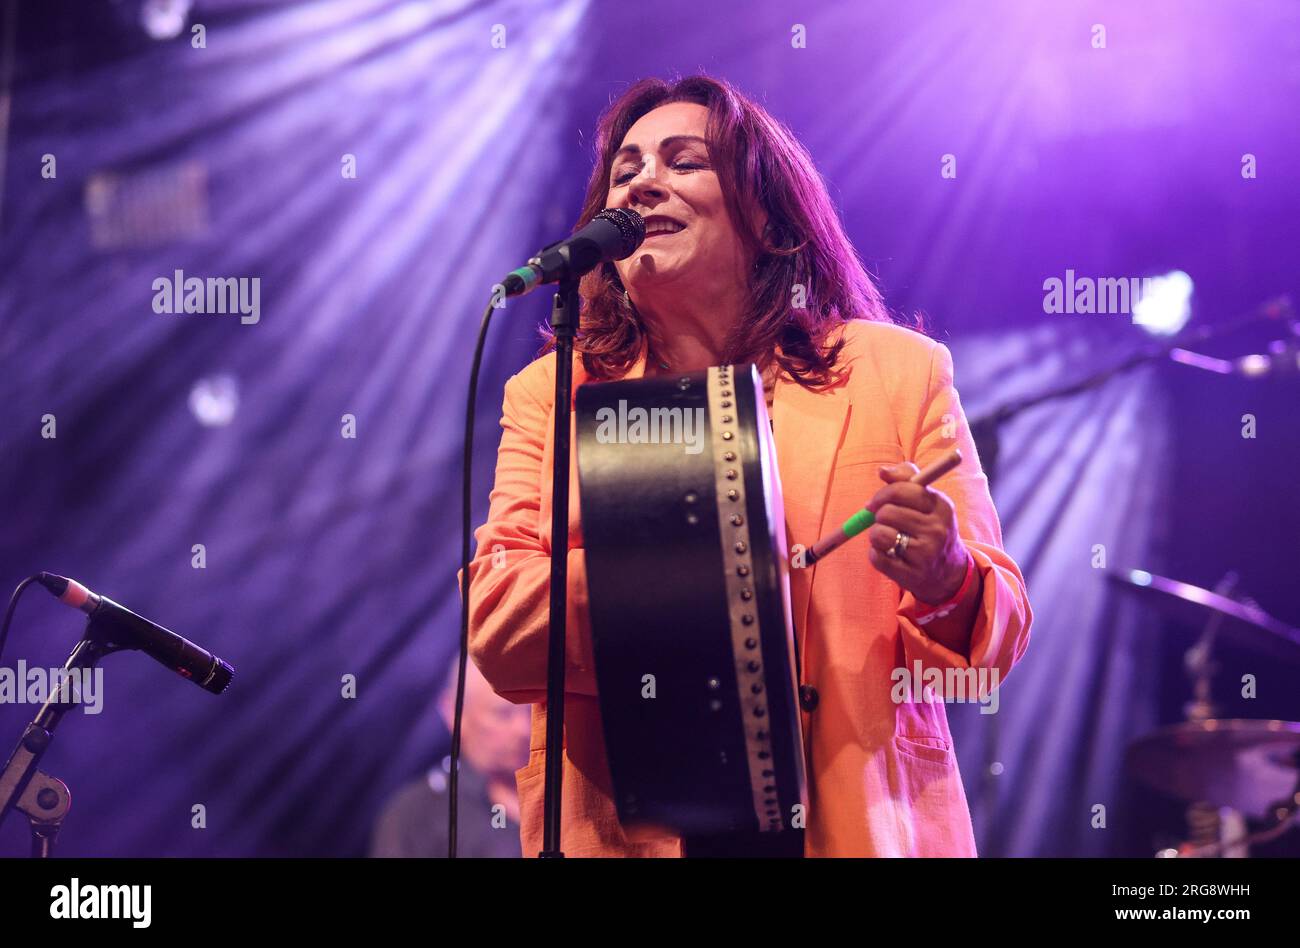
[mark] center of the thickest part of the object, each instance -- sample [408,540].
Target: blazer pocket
[871,452]
[934,750]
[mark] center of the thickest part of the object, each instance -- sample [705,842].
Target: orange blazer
[882,775]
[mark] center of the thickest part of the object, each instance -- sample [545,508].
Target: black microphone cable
[13,604]
[462,657]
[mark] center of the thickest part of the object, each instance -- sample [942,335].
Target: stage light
[164,19]
[1165,304]
[214,400]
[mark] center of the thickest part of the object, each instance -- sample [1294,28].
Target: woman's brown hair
[759,163]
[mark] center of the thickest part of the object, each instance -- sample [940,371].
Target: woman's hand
[933,564]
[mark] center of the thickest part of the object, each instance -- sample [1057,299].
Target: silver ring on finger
[896,551]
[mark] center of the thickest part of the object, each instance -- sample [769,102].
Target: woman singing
[745,260]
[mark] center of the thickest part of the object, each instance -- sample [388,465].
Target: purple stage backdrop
[281,483]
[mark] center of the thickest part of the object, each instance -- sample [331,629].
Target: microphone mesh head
[631,226]
[221,676]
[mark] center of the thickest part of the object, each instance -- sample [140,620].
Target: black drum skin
[684,538]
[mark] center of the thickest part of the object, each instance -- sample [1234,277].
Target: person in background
[494,743]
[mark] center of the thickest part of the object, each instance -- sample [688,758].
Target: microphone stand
[986,429]
[43,798]
[564,323]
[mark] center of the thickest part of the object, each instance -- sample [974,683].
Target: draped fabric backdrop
[286,492]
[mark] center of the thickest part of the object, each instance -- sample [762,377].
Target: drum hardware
[1228,769]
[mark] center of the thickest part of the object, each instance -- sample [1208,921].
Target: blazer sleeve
[510,574]
[1000,631]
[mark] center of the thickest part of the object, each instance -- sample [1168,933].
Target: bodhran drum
[688,583]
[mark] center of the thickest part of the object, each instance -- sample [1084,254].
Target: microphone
[613,234]
[136,632]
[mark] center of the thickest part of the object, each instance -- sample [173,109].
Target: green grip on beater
[858,522]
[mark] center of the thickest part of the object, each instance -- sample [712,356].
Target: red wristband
[930,613]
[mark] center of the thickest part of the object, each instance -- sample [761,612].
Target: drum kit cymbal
[1228,770]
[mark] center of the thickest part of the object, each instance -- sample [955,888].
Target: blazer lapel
[809,427]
